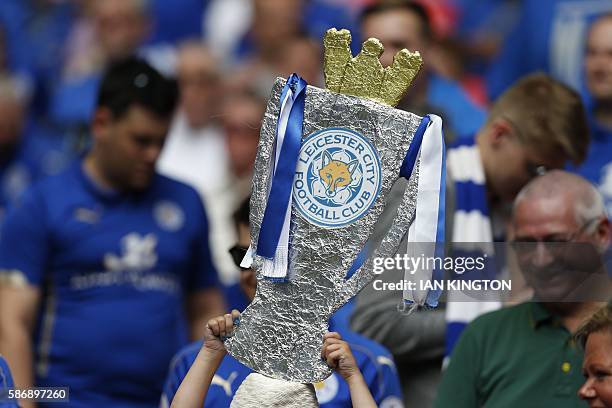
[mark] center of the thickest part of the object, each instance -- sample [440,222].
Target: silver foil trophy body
[351,152]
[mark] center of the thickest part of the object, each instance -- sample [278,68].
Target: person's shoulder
[436,80]
[6,383]
[441,87]
[5,372]
[170,186]
[180,193]
[185,356]
[500,319]
[50,187]
[463,113]
[485,332]
[179,366]
[367,349]
[165,182]
[467,142]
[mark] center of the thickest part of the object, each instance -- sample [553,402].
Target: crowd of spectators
[525,86]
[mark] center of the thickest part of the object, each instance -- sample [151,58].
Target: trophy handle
[388,247]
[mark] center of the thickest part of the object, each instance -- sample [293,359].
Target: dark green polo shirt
[517,357]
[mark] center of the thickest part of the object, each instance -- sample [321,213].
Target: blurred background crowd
[225,55]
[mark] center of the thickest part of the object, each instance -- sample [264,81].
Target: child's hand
[338,355]
[218,329]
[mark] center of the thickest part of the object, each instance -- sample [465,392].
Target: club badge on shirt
[168,215]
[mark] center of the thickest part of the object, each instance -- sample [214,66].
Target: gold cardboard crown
[364,75]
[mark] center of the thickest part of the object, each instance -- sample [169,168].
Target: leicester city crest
[327,162]
[337,177]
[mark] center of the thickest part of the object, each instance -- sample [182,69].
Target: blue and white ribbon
[426,233]
[273,242]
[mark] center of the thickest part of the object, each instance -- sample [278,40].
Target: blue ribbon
[413,150]
[284,173]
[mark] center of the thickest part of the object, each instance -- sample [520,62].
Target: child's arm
[338,355]
[193,389]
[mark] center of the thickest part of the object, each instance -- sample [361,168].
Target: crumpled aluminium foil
[281,331]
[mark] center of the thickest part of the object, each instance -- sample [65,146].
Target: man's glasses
[238,253]
[554,244]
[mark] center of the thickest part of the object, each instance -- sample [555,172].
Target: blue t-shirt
[6,382]
[374,361]
[224,384]
[459,113]
[115,270]
[176,21]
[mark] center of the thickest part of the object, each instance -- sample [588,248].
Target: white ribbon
[423,231]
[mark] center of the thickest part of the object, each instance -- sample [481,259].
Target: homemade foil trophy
[326,161]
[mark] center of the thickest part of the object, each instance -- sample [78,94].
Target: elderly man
[195,151]
[525,355]
[518,139]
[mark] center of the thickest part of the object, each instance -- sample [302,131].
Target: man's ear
[499,131]
[101,122]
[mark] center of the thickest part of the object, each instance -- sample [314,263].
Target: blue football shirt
[228,377]
[114,269]
[374,361]
[6,382]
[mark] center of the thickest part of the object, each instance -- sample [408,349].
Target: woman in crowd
[596,338]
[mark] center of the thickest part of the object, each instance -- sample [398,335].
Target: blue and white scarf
[472,234]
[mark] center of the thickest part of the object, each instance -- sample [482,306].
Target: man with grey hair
[524,354]
[195,151]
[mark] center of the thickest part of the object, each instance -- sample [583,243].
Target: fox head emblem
[336,174]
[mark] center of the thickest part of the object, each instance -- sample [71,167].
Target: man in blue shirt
[374,361]
[100,262]
[406,25]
